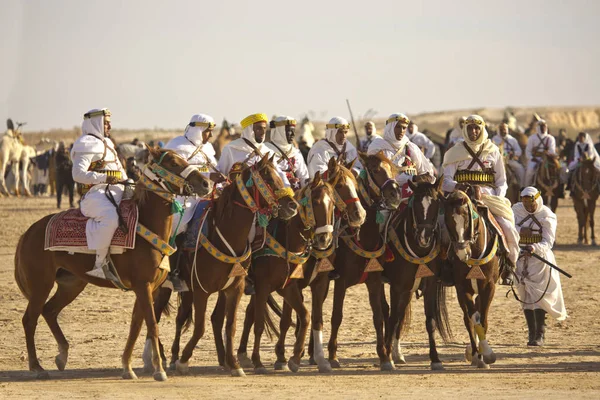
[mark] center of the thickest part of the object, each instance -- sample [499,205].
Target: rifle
[551,265]
[354,126]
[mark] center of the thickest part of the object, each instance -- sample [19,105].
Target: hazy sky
[155,63]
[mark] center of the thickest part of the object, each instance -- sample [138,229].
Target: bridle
[340,204]
[417,227]
[308,217]
[473,235]
[377,197]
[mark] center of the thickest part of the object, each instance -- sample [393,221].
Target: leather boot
[530,318]
[540,323]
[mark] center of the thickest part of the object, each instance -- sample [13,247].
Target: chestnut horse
[36,270]
[223,256]
[472,253]
[358,251]
[416,241]
[312,227]
[547,180]
[585,193]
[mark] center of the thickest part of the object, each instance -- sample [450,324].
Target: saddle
[488,217]
[66,231]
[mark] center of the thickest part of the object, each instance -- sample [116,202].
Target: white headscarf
[94,125]
[374,131]
[538,128]
[415,131]
[194,133]
[278,134]
[531,191]
[331,132]
[390,136]
[475,144]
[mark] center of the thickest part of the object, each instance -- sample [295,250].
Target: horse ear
[331,165]
[439,183]
[154,153]
[272,158]
[412,185]
[263,161]
[316,180]
[350,164]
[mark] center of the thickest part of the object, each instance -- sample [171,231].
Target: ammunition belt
[83,188]
[475,177]
[530,239]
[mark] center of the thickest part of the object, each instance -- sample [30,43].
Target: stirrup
[179,284]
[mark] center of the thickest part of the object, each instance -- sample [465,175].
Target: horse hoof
[437,366]
[579,242]
[182,368]
[482,365]
[172,367]
[325,367]
[399,359]
[469,353]
[334,363]
[129,375]
[61,362]
[160,376]
[387,366]
[238,372]
[261,371]
[245,362]
[293,366]
[490,358]
[594,243]
[42,375]
[311,361]
[280,366]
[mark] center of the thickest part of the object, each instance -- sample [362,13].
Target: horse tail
[440,312]
[189,317]
[270,327]
[20,276]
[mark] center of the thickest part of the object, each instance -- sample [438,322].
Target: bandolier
[485,177]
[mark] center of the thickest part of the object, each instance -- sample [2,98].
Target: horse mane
[457,198]
[346,172]
[381,157]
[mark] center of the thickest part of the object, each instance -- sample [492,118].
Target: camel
[12,151]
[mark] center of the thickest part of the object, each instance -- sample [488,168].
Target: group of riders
[475,164]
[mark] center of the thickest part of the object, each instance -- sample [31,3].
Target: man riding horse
[477,161]
[288,156]
[512,151]
[584,150]
[97,169]
[540,143]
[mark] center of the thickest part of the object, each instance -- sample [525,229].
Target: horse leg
[233,297]
[431,309]
[375,288]
[339,294]
[465,300]
[585,221]
[284,326]
[217,319]
[144,298]
[592,209]
[319,289]
[65,294]
[294,299]
[200,300]
[399,302]
[161,302]
[134,331]
[183,319]
[260,305]
[485,298]
[242,352]
[30,319]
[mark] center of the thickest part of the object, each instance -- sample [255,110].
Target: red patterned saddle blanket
[66,231]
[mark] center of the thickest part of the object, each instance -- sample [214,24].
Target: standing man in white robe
[406,155]
[488,168]
[97,169]
[334,144]
[287,156]
[540,143]
[537,226]
[512,151]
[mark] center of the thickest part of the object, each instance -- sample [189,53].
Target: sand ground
[96,325]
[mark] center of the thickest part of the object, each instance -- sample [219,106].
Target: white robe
[509,144]
[537,142]
[321,153]
[295,156]
[423,142]
[581,151]
[185,147]
[410,150]
[534,278]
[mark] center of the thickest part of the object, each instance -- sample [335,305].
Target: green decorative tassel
[363,174]
[249,182]
[379,218]
[475,215]
[263,220]
[304,201]
[176,207]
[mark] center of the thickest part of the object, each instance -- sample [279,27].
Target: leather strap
[474,156]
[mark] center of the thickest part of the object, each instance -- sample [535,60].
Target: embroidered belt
[530,239]
[84,188]
[475,177]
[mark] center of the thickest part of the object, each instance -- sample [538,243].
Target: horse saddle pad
[489,217]
[66,231]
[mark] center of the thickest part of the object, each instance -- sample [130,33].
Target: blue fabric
[191,234]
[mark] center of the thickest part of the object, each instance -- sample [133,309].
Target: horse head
[458,216]
[174,170]
[269,190]
[380,173]
[588,174]
[424,207]
[345,186]
[323,208]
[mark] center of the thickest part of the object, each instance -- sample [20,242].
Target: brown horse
[36,270]
[475,264]
[274,273]
[415,240]
[514,186]
[358,251]
[257,192]
[585,193]
[547,180]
